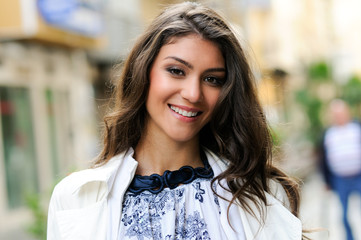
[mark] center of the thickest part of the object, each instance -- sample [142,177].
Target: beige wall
[68,74]
[19,19]
[10,17]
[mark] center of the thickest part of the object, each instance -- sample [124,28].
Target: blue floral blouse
[189,211]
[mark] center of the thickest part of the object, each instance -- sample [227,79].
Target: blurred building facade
[47,108]
[290,35]
[287,38]
[55,74]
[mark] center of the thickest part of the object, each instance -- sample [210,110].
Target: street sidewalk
[321,209]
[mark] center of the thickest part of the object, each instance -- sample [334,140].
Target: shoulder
[72,180]
[356,123]
[278,210]
[273,219]
[278,192]
[85,186]
[65,192]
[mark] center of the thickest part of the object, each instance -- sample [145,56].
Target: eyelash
[176,71]
[215,81]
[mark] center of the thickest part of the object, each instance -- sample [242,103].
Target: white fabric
[190,211]
[343,149]
[79,208]
[231,224]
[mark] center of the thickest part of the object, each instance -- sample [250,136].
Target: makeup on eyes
[178,71]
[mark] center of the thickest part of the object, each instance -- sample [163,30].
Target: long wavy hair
[237,131]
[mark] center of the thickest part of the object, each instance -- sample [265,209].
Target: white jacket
[78,208]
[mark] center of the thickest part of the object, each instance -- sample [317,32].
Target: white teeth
[183,112]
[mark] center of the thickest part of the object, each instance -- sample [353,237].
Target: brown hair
[238,130]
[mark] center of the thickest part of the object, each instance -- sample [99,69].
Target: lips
[185,113]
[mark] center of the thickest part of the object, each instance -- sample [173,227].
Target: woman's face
[185,82]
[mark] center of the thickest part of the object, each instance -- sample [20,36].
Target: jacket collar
[106,173]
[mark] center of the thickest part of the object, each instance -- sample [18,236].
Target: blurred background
[57,63]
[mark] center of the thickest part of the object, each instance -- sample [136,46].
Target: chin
[183,138]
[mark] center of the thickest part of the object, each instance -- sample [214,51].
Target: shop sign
[80,16]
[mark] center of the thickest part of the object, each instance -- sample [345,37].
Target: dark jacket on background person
[324,165]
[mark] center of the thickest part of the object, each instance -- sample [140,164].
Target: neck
[159,155]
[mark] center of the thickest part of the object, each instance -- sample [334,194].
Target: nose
[192,90]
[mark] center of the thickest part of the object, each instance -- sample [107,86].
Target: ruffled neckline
[155,183]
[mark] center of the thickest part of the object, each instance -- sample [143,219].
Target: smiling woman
[184,88]
[187,152]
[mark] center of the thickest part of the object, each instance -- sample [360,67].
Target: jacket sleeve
[53,232]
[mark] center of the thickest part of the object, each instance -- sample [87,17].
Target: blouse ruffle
[190,211]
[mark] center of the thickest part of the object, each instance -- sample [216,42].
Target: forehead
[193,51]
[191,45]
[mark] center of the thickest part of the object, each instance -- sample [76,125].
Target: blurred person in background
[187,150]
[341,156]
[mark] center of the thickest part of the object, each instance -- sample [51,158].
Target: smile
[184,112]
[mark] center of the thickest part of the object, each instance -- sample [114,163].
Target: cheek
[212,98]
[158,82]
[155,85]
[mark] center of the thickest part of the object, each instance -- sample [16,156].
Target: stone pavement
[321,209]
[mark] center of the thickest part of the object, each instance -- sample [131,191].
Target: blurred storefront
[47,107]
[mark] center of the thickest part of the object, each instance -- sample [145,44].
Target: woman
[187,151]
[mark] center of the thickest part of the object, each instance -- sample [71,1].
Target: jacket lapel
[90,220]
[279,222]
[86,223]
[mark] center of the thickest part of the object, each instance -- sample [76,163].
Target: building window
[18,144]
[52,131]
[60,133]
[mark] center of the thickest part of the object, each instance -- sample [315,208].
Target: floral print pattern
[168,214]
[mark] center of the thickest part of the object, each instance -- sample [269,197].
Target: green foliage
[312,106]
[351,91]
[319,72]
[38,226]
[313,103]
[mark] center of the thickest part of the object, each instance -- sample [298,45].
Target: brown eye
[175,71]
[216,81]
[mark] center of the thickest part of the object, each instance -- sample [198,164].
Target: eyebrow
[191,66]
[181,61]
[215,70]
